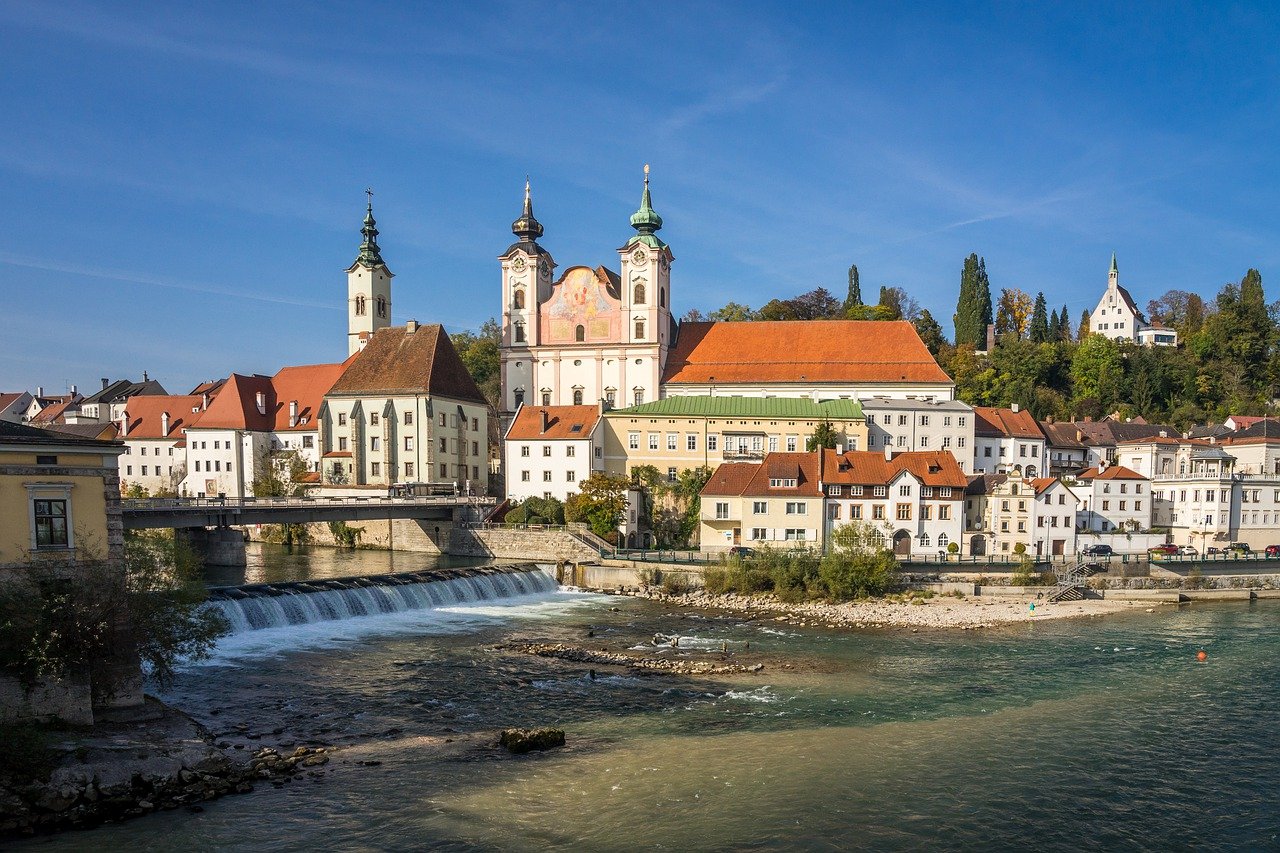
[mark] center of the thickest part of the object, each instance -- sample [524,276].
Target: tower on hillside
[368,287]
[526,284]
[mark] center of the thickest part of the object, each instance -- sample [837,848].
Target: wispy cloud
[151,281]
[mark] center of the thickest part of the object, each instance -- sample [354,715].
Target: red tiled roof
[1040,484]
[7,400]
[145,413]
[801,351]
[52,413]
[561,421]
[306,384]
[1112,472]
[236,406]
[1005,422]
[332,453]
[745,478]
[868,468]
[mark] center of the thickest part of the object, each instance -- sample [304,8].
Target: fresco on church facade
[581,299]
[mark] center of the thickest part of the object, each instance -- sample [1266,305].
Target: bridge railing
[169,504]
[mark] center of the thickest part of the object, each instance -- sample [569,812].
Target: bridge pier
[217,546]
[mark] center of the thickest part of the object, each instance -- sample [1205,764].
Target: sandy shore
[937,612]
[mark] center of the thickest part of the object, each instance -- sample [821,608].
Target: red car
[1273,551]
[1163,550]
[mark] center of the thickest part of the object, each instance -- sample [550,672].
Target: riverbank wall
[443,537]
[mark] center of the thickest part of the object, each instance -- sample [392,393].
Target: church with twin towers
[591,336]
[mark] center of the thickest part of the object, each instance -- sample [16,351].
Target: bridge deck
[226,512]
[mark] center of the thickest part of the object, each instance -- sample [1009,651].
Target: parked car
[742,551]
[1272,551]
[1097,551]
[1163,550]
[1188,551]
[1239,548]
[1213,551]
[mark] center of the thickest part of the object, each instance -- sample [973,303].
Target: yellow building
[680,433]
[59,497]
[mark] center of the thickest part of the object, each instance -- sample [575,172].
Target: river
[1093,733]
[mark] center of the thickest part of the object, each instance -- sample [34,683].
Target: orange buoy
[1202,655]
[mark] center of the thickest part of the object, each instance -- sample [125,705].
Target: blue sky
[184,187]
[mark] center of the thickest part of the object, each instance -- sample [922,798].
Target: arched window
[943,540]
[519,397]
[519,330]
[662,298]
[517,301]
[639,295]
[638,395]
[580,333]
[577,396]
[639,330]
[611,396]
[360,306]
[382,306]
[924,540]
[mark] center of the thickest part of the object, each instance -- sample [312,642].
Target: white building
[1008,441]
[1113,497]
[1039,513]
[1117,317]
[551,449]
[152,428]
[914,424]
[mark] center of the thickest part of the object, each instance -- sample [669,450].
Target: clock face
[638,256]
[518,264]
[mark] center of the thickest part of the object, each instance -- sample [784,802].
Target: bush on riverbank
[803,576]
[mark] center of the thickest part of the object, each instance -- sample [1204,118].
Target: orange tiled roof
[991,421]
[1040,484]
[868,468]
[801,351]
[749,479]
[145,413]
[1112,472]
[236,406]
[306,384]
[561,423]
[52,413]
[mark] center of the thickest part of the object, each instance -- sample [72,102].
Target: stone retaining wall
[519,544]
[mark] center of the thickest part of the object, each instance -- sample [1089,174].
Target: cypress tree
[1039,330]
[983,294]
[967,319]
[854,297]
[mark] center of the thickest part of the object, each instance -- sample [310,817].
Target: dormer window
[782,483]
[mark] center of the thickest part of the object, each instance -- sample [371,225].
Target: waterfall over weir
[275,605]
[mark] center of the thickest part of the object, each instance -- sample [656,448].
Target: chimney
[39,390]
[1014,408]
[104,383]
[888,453]
[74,391]
[546,420]
[293,413]
[204,401]
[145,378]
[261,398]
[839,448]
[164,423]
[991,337]
[1164,433]
[411,326]
[124,424]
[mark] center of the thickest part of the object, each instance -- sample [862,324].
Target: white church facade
[1117,317]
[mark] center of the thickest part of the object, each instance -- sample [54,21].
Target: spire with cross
[370,254]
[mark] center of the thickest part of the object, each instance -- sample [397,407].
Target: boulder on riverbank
[520,741]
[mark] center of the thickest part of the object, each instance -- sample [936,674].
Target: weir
[274,605]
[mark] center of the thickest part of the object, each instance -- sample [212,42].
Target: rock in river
[526,740]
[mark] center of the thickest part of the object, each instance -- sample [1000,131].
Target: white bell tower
[526,284]
[646,301]
[368,288]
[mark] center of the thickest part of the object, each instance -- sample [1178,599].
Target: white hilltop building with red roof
[1117,317]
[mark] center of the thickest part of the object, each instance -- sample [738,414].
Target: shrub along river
[1101,732]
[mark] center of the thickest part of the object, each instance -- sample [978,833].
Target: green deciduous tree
[930,332]
[599,503]
[824,435]
[733,312]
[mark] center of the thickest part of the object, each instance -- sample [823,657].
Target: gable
[582,298]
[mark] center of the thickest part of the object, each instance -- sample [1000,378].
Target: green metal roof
[746,407]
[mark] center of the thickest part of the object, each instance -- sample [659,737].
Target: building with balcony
[681,433]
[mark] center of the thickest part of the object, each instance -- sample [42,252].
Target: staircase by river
[1073,582]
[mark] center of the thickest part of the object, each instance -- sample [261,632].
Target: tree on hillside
[1082,331]
[693,315]
[1055,325]
[1064,326]
[930,332]
[854,297]
[733,312]
[481,353]
[777,309]
[973,310]
[1013,313]
[897,300]
[817,304]
[1095,368]
[869,312]
[1038,331]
